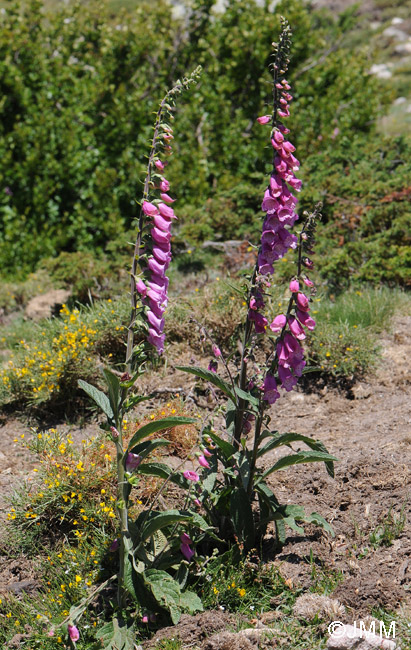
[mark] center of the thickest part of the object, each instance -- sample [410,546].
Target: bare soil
[368,430]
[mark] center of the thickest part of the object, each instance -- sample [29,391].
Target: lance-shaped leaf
[212,377]
[113,384]
[161,520]
[248,397]
[158,425]
[145,448]
[226,448]
[99,398]
[277,440]
[165,590]
[163,471]
[300,457]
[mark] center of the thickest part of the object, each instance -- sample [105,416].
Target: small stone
[399,101]
[397,21]
[393,32]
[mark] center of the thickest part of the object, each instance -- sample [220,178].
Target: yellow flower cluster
[37,369]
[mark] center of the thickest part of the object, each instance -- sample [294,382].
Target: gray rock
[348,637]
[393,32]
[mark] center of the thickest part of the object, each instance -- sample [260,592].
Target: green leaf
[280,531]
[212,377]
[230,414]
[99,398]
[242,517]
[113,384]
[300,457]
[145,448]
[158,425]
[190,602]
[226,448]
[134,400]
[248,397]
[317,519]
[117,635]
[165,590]
[163,471]
[277,440]
[161,520]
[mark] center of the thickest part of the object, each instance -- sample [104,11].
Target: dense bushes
[78,87]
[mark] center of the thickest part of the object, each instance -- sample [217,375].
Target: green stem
[256,445]
[123,516]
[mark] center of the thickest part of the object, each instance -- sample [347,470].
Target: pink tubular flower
[166,211]
[144,619]
[264,119]
[270,392]
[308,282]
[74,634]
[278,323]
[191,476]
[305,319]
[166,198]
[294,286]
[295,328]
[160,165]
[216,351]
[149,208]
[260,322]
[203,462]
[207,453]
[197,502]
[302,302]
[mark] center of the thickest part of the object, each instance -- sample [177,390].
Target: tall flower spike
[279,205]
[152,251]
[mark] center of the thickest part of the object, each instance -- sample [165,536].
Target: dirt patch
[193,630]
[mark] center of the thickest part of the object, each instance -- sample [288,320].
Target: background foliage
[78,86]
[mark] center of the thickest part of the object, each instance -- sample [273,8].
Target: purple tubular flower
[270,392]
[288,380]
[185,539]
[302,302]
[114,545]
[132,461]
[260,322]
[203,462]
[213,365]
[187,551]
[141,288]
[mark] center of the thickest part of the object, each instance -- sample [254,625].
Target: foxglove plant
[149,546]
[229,501]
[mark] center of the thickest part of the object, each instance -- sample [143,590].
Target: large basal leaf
[158,425]
[99,398]
[190,602]
[277,440]
[318,520]
[165,590]
[212,377]
[300,457]
[117,635]
[242,517]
